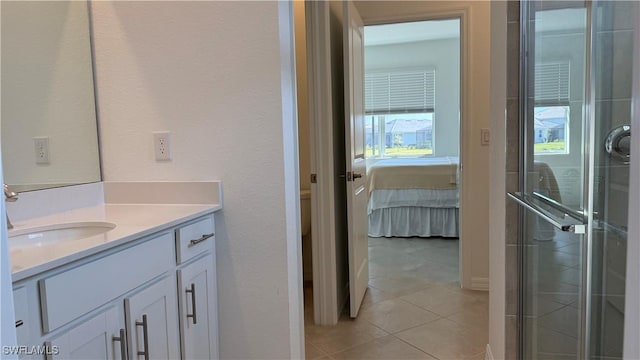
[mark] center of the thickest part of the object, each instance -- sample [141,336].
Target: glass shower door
[554,180]
[574,177]
[612,59]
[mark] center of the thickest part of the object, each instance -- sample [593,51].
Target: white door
[198,309]
[357,194]
[152,319]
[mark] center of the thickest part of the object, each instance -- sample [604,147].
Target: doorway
[412,135]
[397,313]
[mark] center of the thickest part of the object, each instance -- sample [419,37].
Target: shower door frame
[631,348]
[588,167]
[632,294]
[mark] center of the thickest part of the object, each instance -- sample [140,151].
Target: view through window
[551,111]
[399,135]
[551,129]
[412,89]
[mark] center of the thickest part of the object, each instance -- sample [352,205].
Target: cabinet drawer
[70,294]
[195,238]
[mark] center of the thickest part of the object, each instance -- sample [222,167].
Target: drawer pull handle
[192,291]
[145,336]
[198,241]
[19,323]
[123,344]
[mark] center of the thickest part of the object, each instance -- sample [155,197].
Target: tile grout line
[415,347]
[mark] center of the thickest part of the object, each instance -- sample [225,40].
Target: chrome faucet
[9,196]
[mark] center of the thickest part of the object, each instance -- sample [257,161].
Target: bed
[414,197]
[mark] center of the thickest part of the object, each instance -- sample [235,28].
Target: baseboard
[488,355]
[478,283]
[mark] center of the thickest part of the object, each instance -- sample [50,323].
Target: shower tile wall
[512,171]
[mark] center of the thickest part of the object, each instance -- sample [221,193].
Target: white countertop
[133,221]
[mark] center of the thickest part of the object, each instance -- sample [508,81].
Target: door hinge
[314,178]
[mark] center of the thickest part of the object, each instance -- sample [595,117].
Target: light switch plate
[485,136]
[41,146]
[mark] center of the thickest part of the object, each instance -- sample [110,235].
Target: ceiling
[411,32]
[550,20]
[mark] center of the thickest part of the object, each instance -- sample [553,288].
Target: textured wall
[497,189]
[211,73]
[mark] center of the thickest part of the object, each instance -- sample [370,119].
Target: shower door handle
[618,144]
[573,226]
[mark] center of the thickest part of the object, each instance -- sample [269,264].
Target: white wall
[475,157]
[212,74]
[47,90]
[443,55]
[497,292]
[301,88]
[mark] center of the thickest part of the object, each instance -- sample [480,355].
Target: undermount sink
[56,233]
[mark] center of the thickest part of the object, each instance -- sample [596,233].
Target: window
[399,135]
[399,110]
[551,112]
[551,129]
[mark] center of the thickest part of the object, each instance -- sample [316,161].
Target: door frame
[461,12]
[323,224]
[632,312]
[323,238]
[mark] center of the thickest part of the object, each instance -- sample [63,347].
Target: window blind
[552,84]
[399,92]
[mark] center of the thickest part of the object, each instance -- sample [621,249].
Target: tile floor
[414,308]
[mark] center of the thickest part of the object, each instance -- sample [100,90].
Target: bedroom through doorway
[412,122]
[406,95]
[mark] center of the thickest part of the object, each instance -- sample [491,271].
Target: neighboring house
[550,124]
[403,132]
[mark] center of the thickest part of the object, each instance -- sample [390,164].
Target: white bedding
[402,210]
[380,199]
[414,221]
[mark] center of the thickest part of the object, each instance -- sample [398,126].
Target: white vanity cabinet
[197,289]
[92,339]
[198,309]
[152,321]
[151,298]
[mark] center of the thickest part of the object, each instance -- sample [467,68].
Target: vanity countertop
[133,221]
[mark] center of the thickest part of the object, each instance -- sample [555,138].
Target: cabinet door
[152,321]
[199,309]
[97,338]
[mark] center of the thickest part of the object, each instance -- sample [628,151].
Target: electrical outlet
[162,145]
[41,144]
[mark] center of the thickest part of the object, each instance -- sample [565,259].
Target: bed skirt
[412,221]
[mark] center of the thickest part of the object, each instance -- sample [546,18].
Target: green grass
[402,151]
[556,146]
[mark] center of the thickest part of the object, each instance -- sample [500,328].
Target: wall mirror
[49,128]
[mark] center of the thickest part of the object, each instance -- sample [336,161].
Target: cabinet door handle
[145,337]
[123,344]
[198,241]
[48,351]
[192,291]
